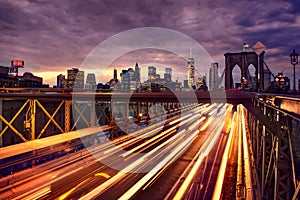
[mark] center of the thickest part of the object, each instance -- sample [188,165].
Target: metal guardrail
[276,152]
[295,133]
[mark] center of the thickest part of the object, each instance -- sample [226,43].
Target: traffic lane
[161,187]
[76,183]
[125,184]
[66,184]
[105,146]
[229,184]
[214,126]
[205,180]
[144,188]
[88,172]
[87,184]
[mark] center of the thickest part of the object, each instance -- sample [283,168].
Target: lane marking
[40,193]
[65,195]
[105,175]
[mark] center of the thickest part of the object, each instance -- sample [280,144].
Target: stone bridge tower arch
[243,60]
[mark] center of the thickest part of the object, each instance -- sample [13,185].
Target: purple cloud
[54,36]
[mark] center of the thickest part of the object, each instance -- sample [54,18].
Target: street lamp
[294,62]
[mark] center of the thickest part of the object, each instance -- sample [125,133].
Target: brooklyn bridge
[225,144]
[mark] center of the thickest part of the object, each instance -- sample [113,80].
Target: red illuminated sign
[17,63]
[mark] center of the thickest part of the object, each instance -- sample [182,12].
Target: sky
[53,36]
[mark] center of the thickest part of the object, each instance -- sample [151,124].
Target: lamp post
[294,62]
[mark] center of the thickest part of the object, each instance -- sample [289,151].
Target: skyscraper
[125,80]
[137,73]
[186,84]
[128,80]
[114,82]
[191,70]
[61,81]
[132,79]
[205,79]
[75,78]
[151,73]
[115,74]
[90,82]
[168,75]
[213,76]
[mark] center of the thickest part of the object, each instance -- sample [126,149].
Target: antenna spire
[190,52]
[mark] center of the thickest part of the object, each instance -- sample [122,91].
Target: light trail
[153,143]
[135,188]
[111,146]
[38,194]
[208,109]
[65,195]
[158,136]
[219,183]
[213,112]
[129,142]
[120,175]
[203,152]
[196,123]
[131,151]
[105,175]
[239,179]
[179,119]
[139,135]
[101,188]
[203,128]
[247,164]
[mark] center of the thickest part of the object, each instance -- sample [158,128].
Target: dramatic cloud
[52,36]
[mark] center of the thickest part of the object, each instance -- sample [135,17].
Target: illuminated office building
[90,83]
[213,76]
[75,78]
[151,73]
[191,71]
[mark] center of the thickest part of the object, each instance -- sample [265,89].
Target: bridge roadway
[186,156]
[193,165]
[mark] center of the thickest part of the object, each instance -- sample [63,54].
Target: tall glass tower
[191,71]
[137,73]
[168,75]
[90,82]
[213,76]
[151,73]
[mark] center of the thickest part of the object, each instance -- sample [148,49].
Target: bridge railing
[276,151]
[26,117]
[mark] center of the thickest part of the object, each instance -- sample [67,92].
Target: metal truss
[31,113]
[276,154]
[37,118]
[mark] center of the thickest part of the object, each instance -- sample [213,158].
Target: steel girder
[276,151]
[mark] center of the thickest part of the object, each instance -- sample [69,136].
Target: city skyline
[117,65]
[160,73]
[52,37]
